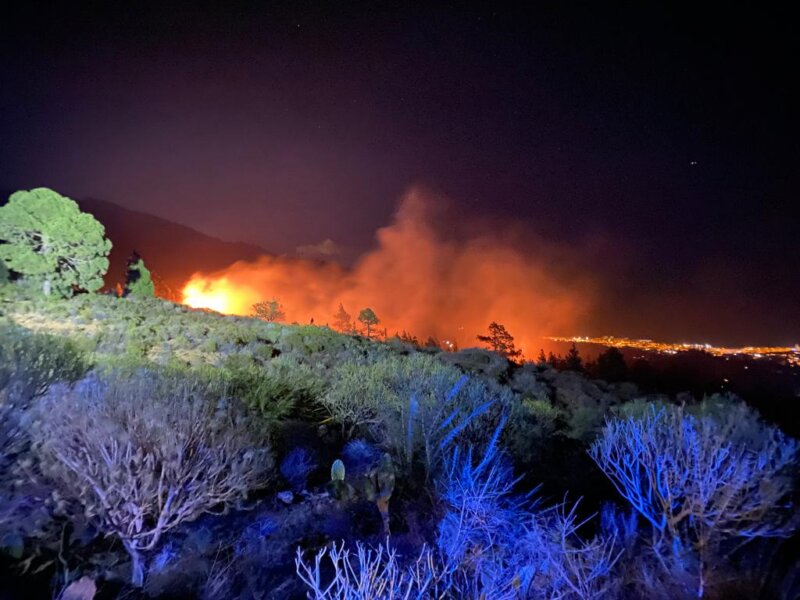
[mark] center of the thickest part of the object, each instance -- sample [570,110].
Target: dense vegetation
[149,449]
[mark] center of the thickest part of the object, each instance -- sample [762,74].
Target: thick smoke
[418,281]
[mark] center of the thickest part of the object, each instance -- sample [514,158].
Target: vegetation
[269,310]
[368,319]
[342,321]
[153,450]
[51,244]
[500,341]
[137,279]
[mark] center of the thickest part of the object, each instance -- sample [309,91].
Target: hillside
[172,251]
[214,447]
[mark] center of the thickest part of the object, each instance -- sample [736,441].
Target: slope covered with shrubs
[171,452]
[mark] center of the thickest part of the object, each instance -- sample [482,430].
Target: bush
[141,454]
[412,404]
[30,362]
[368,575]
[297,466]
[273,391]
[700,480]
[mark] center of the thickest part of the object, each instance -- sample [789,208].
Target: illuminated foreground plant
[368,574]
[700,480]
[140,456]
[491,544]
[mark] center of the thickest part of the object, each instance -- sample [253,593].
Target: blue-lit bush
[138,455]
[491,543]
[700,482]
[297,466]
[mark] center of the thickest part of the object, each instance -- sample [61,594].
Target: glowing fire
[214,294]
[415,281]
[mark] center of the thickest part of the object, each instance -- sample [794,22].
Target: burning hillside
[415,280]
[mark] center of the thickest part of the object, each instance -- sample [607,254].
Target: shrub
[296,467]
[274,390]
[411,404]
[368,575]
[532,422]
[495,544]
[699,480]
[140,455]
[30,362]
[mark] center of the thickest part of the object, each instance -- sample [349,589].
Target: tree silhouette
[269,310]
[137,279]
[342,321]
[50,242]
[369,319]
[500,341]
[611,365]
[573,361]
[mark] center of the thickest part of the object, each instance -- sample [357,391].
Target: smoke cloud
[419,279]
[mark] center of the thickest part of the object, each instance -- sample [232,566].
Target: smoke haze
[420,278]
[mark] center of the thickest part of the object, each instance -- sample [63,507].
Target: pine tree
[369,319]
[500,341]
[137,280]
[342,321]
[573,360]
[50,243]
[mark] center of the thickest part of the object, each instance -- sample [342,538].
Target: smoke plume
[418,279]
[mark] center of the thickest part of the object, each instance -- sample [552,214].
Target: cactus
[375,486]
[338,487]
[337,470]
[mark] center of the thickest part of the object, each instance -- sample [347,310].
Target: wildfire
[415,281]
[214,294]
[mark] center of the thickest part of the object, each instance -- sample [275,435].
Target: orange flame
[214,294]
[414,281]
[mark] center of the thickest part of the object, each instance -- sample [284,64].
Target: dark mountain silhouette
[171,251]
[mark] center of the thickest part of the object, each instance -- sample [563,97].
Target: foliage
[411,404]
[137,278]
[140,455]
[359,455]
[369,575]
[573,360]
[296,467]
[375,483]
[611,365]
[495,544]
[369,319]
[272,390]
[51,243]
[500,341]
[532,424]
[342,321]
[29,362]
[269,310]
[700,480]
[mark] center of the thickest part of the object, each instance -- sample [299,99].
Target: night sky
[657,147]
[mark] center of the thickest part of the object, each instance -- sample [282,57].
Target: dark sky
[662,143]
